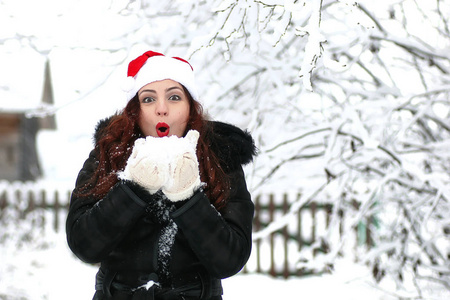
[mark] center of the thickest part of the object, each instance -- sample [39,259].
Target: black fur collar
[233,146]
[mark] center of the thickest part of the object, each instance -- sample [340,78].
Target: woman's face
[164,109]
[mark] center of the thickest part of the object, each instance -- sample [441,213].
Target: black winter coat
[124,234]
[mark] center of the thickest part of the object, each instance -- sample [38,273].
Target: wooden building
[19,127]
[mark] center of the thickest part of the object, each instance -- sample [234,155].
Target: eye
[175,98]
[147,100]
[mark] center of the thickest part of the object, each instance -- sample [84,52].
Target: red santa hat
[153,66]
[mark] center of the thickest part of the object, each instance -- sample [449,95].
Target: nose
[161,108]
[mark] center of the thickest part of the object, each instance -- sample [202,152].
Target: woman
[161,203]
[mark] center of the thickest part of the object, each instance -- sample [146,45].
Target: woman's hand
[146,166]
[184,176]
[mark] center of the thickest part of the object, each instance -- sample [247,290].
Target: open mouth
[162,129]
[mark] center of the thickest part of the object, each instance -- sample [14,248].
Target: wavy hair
[115,144]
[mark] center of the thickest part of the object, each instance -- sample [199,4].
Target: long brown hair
[115,144]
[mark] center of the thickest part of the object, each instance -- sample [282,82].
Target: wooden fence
[52,205]
[308,233]
[302,232]
[276,254]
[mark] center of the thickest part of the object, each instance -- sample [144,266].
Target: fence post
[258,227]
[272,242]
[341,222]
[313,208]
[3,201]
[69,196]
[43,204]
[299,230]
[56,211]
[329,211]
[286,239]
[31,205]
[31,202]
[369,222]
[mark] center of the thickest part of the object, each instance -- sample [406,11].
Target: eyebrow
[167,90]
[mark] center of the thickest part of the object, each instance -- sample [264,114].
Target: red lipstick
[162,129]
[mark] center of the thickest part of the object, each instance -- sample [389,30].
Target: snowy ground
[52,272]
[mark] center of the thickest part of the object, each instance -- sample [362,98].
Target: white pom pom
[128,84]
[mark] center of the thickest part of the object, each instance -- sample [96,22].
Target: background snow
[88,62]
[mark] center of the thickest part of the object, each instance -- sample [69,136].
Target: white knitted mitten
[147,165]
[184,175]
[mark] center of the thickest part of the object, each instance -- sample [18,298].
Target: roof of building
[22,77]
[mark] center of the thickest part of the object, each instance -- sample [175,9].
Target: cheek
[145,123]
[184,117]
[186,113]
[181,121]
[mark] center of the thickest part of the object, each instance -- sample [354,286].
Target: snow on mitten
[146,165]
[184,175]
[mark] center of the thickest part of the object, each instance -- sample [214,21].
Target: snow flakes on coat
[159,211]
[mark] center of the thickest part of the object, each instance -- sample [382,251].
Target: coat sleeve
[222,242]
[95,227]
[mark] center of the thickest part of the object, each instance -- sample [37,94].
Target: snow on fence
[277,255]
